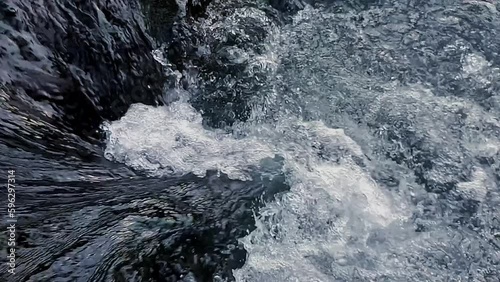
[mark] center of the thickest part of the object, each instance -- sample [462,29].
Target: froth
[334,205]
[172,140]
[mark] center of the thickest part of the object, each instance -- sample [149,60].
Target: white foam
[476,66]
[332,203]
[171,140]
[473,64]
[477,187]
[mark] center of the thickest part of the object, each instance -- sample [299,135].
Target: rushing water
[298,141]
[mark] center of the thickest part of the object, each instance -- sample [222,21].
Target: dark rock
[289,6]
[197,8]
[73,64]
[159,17]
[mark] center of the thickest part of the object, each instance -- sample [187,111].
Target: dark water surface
[252,140]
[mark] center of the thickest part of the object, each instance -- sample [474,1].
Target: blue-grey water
[253,140]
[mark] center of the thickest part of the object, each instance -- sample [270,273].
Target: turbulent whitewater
[249,140]
[387,121]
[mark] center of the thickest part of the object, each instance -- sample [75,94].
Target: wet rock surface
[70,65]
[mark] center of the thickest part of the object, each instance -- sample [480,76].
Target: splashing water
[387,121]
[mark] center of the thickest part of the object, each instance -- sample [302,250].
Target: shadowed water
[66,67]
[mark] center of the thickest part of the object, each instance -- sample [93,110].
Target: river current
[290,141]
